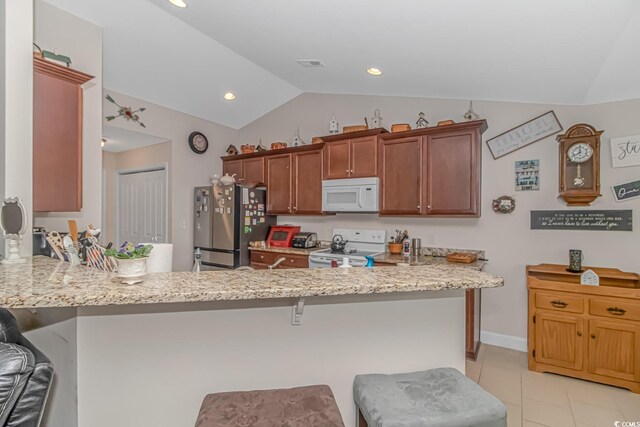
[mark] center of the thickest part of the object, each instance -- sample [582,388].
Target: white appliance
[350,195]
[360,244]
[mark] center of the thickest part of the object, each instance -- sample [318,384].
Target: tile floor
[537,400]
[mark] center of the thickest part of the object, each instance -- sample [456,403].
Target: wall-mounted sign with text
[609,220]
[625,151]
[525,134]
[626,191]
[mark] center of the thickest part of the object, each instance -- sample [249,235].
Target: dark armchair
[25,376]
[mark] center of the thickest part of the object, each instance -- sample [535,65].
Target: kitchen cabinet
[433,172]
[263,259]
[279,184]
[588,332]
[250,170]
[351,155]
[401,176]
[57,137]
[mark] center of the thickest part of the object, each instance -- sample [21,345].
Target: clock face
[580,152]
[198,142]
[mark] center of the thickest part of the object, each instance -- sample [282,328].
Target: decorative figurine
[297,141]
[232,150]
[376,120]
[333,125]
[260,148]
[422,122]
[471,115]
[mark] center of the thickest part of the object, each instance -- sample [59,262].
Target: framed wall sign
[527,175]
[525,134]
[625,151]
[626,191]
[601,220]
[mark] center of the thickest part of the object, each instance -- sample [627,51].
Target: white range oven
[360,244]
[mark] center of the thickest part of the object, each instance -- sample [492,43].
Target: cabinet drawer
[263,257]
[295,261]
[560,302]
[614,308]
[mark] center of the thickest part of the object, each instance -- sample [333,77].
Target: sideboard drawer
[618,308]
[263,257]
[560,302]
[295,261]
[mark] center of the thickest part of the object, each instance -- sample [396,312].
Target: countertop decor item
[504,204]
[228,179]
[297,141]
[247,148]
[400,127]
[575,261]
[580,165]
[462,257]
[421,123]
[232,150]
[337,244]
[394,248]
[198,143]
[13,221]
[128,113]
[471,115]
[527,133]
[446,122]
[316,140]
[131,260]
[261,148]
[333,125]
[376,120]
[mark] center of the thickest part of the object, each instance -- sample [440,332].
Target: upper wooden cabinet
[434,171]
[57,137]
[351,155]
[252,170]
[279,184]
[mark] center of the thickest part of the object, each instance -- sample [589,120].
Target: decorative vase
[133,270]
[395,248]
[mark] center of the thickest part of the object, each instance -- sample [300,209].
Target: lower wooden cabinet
[263,259]
[588,332]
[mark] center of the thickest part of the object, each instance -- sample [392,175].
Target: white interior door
[142,207]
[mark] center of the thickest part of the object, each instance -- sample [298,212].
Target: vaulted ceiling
[545,51]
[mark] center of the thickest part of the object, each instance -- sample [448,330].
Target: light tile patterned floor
[538,400]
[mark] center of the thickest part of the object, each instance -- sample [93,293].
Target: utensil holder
[395,248]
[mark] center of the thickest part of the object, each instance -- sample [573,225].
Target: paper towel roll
[161,258]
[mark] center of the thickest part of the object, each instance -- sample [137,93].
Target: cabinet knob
[428,206]
[295,208]
[418,206]
[593,336]
[579,333]
[351,170]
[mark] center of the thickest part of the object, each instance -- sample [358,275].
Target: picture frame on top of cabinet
[527,133]
[625,151]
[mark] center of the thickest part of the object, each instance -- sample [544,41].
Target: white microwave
[350,195]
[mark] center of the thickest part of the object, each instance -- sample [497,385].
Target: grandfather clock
[580,165]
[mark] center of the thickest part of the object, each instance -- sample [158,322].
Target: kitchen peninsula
[158,347]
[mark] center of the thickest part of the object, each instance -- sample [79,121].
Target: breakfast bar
[147,354]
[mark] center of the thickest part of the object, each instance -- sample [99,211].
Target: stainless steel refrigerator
[226,219]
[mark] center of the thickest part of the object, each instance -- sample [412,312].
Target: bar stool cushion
[434,398]
[310,406]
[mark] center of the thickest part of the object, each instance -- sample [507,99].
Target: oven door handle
[320,260]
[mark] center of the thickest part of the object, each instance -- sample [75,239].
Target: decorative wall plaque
[525,134]
[625,151]
[600,220]
[626,191]
[527,175]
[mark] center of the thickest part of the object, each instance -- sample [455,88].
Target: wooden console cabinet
[57,137]
[588,332]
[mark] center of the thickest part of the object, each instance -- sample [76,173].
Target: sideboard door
[559,340]
[614,349]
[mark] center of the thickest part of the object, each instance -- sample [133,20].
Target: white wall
[509,242]
[57,30]
[189,169]
[16,125]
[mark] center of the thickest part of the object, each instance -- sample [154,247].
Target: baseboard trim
[501,340]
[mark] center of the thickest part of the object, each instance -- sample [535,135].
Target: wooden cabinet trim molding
[477,124]
[52,69]
[354,135]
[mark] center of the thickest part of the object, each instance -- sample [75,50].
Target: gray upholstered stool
[310,406]
[434,398]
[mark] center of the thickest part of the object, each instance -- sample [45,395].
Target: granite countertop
[45,282]
[289,250]
[388,258]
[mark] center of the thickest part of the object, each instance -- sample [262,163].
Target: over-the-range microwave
[350,195]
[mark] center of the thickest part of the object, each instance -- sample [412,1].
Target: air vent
[310,63]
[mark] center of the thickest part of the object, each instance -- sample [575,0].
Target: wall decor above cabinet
[527,133]
[198,143]
[625,151]
[57,137]
[580,165]
[128,113]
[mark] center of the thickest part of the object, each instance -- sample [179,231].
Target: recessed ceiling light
[229,96]
[374,71]
[179,3]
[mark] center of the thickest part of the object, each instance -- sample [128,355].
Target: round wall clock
[198,142]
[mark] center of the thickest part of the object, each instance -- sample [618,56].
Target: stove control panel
[357,235]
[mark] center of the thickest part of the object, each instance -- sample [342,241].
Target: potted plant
[131,260]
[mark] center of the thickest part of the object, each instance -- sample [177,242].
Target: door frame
[164,166]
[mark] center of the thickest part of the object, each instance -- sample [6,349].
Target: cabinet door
[336,160]
[559,340]
[401,176]
[452,174]
[279,184]
[614,349]
[253,170]
[57,145]
[364,157]
[232,167]
[307,170]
